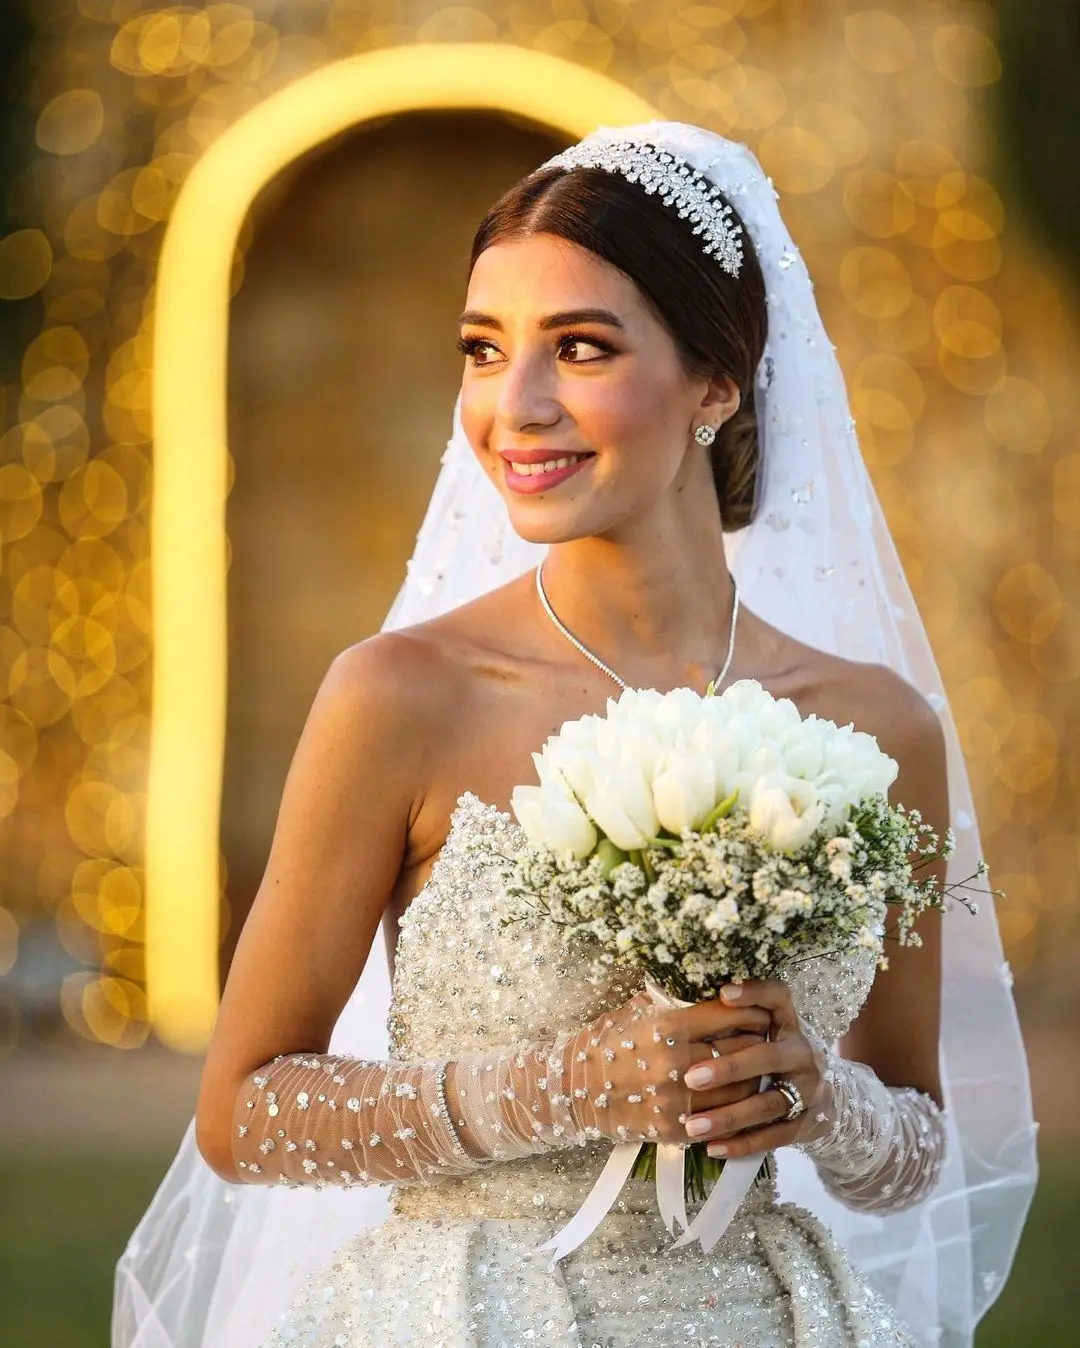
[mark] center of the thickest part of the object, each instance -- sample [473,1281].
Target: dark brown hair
[718,323]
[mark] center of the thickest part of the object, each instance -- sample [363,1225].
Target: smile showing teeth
[532,469]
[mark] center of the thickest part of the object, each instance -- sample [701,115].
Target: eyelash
[468,346]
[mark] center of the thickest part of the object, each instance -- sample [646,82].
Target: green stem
[699,1168]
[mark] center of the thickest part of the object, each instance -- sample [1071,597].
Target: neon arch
[188,539]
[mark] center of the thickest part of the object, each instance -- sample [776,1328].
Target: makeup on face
[564,361]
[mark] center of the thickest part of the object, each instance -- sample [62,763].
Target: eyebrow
[562,320]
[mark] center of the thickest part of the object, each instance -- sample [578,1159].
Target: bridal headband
[679,184]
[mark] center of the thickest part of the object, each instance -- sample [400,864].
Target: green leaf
[721,811]
[672,843]
[610,856]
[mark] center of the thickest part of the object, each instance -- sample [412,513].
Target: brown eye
[469,346]
[579,339]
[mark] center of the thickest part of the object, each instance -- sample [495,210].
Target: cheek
[637,408]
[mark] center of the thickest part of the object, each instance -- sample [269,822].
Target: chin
[546,526]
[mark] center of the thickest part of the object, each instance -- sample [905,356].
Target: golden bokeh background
[959,350]
[881,126]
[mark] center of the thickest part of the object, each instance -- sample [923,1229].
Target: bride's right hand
[625,1070]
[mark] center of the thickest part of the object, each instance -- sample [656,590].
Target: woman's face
[564,358]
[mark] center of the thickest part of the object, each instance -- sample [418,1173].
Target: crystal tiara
[678,182]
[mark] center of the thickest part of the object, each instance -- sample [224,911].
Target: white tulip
[805,747]
[634,704]
[621,803]
[642,747]
[680,713]
[876,769]
[666,759]
[855,762]
[763,761]
[785,811]
[715,711]
[551,820]
[837,800]
[778,718]
[744,734]
[714,743]
[579,734]
[684,791]
[568,767]
[747,696]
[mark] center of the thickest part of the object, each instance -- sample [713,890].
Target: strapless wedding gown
[455,1263]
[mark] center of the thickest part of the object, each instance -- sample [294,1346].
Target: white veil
[211,1265]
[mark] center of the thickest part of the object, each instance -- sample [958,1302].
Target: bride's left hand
[758,1123]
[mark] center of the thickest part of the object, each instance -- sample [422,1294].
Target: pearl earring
[705,435]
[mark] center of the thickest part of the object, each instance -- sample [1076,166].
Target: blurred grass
[63,1224]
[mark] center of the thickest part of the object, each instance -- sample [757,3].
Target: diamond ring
[790,1092]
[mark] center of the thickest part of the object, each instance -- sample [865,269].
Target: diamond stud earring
[705,435]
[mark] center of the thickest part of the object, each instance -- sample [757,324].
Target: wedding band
[715,1051]
[790,1092]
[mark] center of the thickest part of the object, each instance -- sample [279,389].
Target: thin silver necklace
[596,659]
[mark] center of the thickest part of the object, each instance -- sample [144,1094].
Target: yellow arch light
[187,740]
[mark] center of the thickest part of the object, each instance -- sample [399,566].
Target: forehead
[544,272]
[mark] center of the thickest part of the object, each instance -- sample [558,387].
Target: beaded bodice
[464,983]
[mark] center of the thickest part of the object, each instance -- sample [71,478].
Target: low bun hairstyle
[718,323]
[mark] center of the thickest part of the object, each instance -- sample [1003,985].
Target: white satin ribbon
[670,1157]
[723,1202]
[710,1223]
[671,1185]
[598,1203]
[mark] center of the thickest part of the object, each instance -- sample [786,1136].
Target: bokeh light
[26,260]
[863,118]
[71,122]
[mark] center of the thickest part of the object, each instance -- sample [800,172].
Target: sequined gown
[455,1266]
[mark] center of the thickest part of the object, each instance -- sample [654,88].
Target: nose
[527,393]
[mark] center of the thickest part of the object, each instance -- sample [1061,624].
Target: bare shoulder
[872,697]
[411,672]
[377,713]
[430,666]
[426,684]
[881,702]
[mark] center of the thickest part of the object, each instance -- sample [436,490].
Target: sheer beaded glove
[885,1145]
[321,1119]
[313,1119]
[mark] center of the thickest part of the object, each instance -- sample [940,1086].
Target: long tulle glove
[884,1145]
[313,1119]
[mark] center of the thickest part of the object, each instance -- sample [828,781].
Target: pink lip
[531,483]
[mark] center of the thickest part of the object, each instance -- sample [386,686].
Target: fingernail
[731,992]
[698,1076]
[695,1127]
[716,1149]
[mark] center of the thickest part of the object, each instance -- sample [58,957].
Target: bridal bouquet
[710,839]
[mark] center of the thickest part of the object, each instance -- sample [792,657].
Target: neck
[657,620]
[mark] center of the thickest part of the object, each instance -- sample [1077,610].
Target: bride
[653,482]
